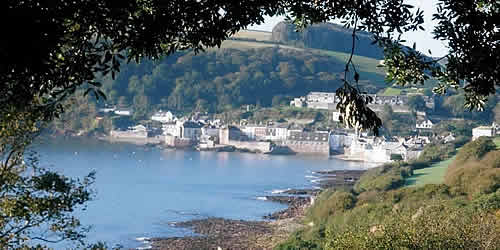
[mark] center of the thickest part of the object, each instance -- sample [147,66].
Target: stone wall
[255,146]
[129,134]
[174,141]
[307,147]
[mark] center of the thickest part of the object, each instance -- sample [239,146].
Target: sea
[142,191]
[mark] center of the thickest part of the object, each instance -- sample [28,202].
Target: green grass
[391,91]
[432,175]
[254,34]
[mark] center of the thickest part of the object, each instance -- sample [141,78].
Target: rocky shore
[219,233]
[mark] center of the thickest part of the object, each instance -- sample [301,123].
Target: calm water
[140,190]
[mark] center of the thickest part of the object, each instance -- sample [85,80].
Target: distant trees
[212,81]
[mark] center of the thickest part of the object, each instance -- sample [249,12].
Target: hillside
[242,71]
[253,67]
[327,36]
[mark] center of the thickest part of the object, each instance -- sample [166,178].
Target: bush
[474,177]
[476,149]
[461,140]
[383,178]
[296,242]
[436,152]
[431,227]
[487,203]
[329,203]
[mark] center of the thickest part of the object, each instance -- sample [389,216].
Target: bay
[141,190]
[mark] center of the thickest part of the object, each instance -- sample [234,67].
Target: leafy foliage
[476,149]
[476,170]
[383,178]
[435,152]
[432,227]
[329,203]
[38,207]
[224,78]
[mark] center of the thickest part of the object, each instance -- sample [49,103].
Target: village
[203,132]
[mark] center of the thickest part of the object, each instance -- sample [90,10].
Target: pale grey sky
[423,39]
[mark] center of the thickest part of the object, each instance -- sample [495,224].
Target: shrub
[329,203]
[296,242]
[461,140]
[430,227]
[475,149]
[383,178]
[435,152]
[474,177]
[489,202]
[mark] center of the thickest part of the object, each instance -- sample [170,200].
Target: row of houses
[329,100]
[183,132]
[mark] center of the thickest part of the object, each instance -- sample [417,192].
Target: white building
[298,102]
[163,117]
[107,110]
[488,131]
[325,97]
[254,132]
[124,112]
[426,124]
[171,128]
[278,133]
[138,128]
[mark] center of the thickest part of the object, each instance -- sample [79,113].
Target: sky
[423,39]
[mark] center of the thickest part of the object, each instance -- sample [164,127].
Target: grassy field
[436,173]
[432,175]
[391,91]
[254,34]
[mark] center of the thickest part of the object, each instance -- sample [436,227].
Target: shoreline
[220,233]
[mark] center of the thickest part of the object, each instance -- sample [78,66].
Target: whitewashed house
[123,112]
[163,117]
[107,109]
[171,128]
[426,124]
[278,133]
[488,131]
[298,102]
[255,132]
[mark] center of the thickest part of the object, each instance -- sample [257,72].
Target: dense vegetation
[226,78]
[379,213]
